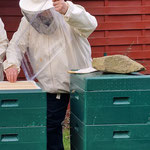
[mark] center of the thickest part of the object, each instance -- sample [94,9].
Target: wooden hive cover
[19,85]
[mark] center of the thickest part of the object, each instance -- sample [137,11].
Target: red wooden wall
[124,26]
[10,14]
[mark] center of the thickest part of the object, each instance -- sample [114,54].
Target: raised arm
[77,17]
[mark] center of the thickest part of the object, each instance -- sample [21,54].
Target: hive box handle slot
[9,103]
[121,134]
[121,100]
[9,138]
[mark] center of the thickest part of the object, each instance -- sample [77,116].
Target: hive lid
[98,81]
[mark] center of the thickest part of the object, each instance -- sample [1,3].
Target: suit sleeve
[3,41]
[17,46]
[80,20]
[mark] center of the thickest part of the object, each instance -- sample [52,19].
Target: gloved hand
[11,74]
[60,6]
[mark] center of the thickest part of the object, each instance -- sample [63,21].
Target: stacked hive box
[22,120]
[110,112]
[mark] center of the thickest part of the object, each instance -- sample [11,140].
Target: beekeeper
[3,47]
[54,36]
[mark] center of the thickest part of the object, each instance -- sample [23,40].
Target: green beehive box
[110,112]
[22,108]
[110,99]
[109,137]
[29,138]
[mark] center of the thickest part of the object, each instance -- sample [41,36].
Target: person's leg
[56,111]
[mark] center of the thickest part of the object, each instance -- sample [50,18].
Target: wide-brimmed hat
[35,5]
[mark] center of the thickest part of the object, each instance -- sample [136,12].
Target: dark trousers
[56,111]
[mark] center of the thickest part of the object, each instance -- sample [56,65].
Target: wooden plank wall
[124,28]
[11,15]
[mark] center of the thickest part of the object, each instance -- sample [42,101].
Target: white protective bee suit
[3,47]
[61,49]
